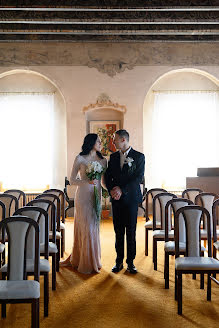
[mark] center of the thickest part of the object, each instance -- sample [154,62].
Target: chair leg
[179,292]
[202,281]
[62,242]
[155,253]
[194,276]
[54,271]
[146,242]
[3,310]
[176,282]
[209,288]
[46,295]
[166,271]
[35,313]
[58,255]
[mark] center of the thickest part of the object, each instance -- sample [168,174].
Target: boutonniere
[131,164]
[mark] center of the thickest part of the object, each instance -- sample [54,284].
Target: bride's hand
[93,182]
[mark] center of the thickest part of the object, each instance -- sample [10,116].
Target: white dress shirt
[123,156]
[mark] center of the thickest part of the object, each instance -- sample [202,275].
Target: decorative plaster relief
[109,58]
[104,101]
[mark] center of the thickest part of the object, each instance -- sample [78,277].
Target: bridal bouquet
[94,171]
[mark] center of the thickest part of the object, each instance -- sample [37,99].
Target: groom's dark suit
[126,208]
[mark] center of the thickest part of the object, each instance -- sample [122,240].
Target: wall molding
[104,101]
[109,58]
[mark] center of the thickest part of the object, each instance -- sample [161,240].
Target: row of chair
[164,227]
[47,211]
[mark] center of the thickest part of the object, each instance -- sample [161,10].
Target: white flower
[129,161]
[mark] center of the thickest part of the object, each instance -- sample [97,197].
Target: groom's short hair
[123,134]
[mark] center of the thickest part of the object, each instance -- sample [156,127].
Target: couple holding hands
[122,177]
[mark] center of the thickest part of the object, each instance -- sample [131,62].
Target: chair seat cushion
[161,234]
[58,235]
[44,266]
[170,247]
[149,224]
[52,248]
[2,247]
[204,233]
[216,245]
[62,226]
[196,263]
[22,289]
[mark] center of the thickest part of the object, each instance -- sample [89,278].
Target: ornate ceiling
[109,20]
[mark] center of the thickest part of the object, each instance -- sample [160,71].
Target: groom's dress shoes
[117,268]
[131,268]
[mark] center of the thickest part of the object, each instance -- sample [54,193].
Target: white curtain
[26,139]
[185,136]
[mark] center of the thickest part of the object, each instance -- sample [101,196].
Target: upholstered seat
[52,248]
[2,247]
[170,247]
[196,263]
[58,235]
[44,266]
[149,224]
[21,289]
[161,234]
[216,245]
[204,233]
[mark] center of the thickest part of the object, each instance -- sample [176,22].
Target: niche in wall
[104,117]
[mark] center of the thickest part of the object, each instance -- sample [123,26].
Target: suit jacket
[128,178]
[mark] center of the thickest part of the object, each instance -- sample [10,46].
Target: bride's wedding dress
[86,251]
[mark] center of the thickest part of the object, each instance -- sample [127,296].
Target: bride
[86,252]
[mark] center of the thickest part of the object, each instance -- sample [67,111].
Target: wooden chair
[69,192]
[149,223]
[215,230]
[191,193]
[56,200]
[193,262]
[2,246]
[41,217]
[169,246]
[206,200]
[17,289]
[159,234]
[19,194]
[61,196]
[143,191]
[11,204]
[50,208]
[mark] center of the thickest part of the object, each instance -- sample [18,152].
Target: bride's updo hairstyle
[88,144]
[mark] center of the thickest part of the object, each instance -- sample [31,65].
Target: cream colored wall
[81,86]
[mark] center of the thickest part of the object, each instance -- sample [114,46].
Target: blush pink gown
[86,251]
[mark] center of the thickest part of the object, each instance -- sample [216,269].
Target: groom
[123,177]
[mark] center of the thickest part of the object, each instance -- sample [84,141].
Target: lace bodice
[79,170]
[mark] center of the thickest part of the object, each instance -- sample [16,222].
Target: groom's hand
[116,193]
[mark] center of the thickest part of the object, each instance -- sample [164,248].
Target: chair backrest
[19,194]
[50,208]
[215,219]
[161,199]
[2,211]
[18,228]
[206,200]
[61,196]
[191,193]
[55,199]
[37,214]
[175,204]
[149,197]
[11,204]
[192,215]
